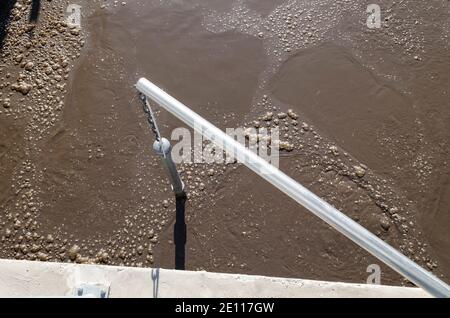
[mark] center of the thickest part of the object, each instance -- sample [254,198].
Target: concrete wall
[25,279]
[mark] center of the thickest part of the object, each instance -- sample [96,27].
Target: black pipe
[35,8]
[179,232]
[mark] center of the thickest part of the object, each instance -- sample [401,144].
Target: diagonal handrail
[299,193]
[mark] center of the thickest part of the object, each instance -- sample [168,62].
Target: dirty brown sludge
[363,116]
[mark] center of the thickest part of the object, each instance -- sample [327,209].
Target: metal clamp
[163,148]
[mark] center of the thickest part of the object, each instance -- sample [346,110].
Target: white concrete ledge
[39,279]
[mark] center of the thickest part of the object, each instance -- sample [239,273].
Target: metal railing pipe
[299,193]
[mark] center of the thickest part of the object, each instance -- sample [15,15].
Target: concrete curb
[39,279]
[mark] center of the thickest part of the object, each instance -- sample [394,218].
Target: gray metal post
[163,148]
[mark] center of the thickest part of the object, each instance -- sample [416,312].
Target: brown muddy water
[80,182]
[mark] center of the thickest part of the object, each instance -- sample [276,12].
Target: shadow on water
[6,7]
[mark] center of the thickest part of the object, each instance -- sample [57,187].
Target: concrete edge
[46,279]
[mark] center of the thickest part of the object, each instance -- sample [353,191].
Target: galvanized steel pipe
[299,193]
